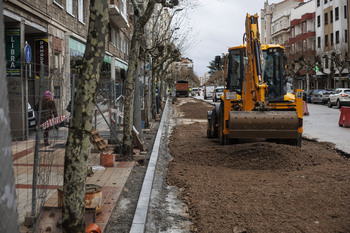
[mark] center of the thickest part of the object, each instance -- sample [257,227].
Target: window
[326,62]
[117,39]
[69,6]
[332,38]
[325,1]
[346,36]
[331,16]
[337,37]
[325,18]
[304,27]
[318,3]
[58,2]
[345,12]
[304,46]
[112,36]
[292,32]
[57,92]
[319,42]
[318,21]
[326,40]
[336,13]
[81,10]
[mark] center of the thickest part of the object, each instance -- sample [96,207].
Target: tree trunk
[77,147]
[130,80]
[8,208]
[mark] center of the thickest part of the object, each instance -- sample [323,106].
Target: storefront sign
[13,52]
[41,56]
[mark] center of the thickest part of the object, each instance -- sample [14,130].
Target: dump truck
[182,88]
[255,103]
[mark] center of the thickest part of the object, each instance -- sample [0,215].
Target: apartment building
[56,31]
[275,22]
[302,38]
[332,35]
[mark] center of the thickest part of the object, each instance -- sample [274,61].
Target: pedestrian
[48,111]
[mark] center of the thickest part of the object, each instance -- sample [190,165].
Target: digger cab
[273,69]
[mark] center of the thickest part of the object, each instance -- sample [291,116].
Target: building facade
[56,32]
[275,22]
[302,39]
[332,44]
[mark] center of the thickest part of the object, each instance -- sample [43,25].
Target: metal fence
[39,167]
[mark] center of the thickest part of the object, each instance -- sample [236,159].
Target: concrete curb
[140,217]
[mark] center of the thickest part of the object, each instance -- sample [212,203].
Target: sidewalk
[112,179]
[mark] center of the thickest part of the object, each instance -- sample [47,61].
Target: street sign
[147,66]
[28,53]
[316,69]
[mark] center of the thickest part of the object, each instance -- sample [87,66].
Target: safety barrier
[344,119]
[305,109]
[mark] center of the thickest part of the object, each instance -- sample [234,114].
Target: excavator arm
[254,70]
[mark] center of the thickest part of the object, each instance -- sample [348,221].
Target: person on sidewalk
[48,111]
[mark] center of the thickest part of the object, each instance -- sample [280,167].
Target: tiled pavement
[112,179]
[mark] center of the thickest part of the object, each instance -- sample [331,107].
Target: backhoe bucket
[264,124]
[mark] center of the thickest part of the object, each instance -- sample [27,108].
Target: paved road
[322,124]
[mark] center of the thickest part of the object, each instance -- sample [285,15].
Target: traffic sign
[28,53]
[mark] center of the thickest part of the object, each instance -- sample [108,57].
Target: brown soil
[257,186]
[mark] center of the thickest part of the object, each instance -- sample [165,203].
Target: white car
[219,91]
[31,116]
[208,92]
[340,98]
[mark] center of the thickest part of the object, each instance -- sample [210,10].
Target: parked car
[31,116]
[308,97]
[218,91]
[316,96]
[325,96]
[208,92]
[340,98]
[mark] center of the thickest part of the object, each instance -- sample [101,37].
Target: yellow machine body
[258,107]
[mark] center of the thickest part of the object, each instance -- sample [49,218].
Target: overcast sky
[218,25]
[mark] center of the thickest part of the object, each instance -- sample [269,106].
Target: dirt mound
[187,105]
[258,186]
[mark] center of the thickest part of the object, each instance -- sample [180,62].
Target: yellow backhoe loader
[255,103]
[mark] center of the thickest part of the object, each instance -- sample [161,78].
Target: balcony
[117,13]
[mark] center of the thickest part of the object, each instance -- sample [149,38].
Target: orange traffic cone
[344,119]
[93,228]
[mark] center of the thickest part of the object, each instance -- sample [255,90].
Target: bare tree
[77,147]
[217,78]
[330,80]
[143,14]
[307,64]
[340,63]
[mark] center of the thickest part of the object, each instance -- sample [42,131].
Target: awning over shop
[77,48]
[120,65]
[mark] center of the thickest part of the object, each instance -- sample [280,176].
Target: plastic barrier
[93,228]
[305,109]
[344,119]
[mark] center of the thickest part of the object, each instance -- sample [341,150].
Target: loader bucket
[264,124]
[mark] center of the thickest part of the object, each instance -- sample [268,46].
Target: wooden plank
[138,140]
